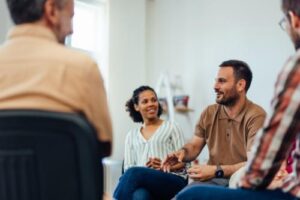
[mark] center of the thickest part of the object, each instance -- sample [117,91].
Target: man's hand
[154,163]
[279,177]
[276,182]
[173,160]
[202,172]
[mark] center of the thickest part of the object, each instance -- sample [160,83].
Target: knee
[189,193]
[135,172]
[132,170]
[141,193]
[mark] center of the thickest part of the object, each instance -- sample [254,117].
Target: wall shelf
[169,108]
[183,109]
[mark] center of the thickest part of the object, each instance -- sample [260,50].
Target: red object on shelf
[181,100]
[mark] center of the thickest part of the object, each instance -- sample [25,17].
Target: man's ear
[241,85]
[295,20]
[51,12]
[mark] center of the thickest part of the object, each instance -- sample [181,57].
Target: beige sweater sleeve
[96,104]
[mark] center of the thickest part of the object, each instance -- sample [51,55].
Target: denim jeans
[145,183]
[206,192]
[141,194]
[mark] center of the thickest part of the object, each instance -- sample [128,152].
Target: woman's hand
[177,167]
[173,160]
[154,163]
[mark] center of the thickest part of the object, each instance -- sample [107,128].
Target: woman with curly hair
[146,147]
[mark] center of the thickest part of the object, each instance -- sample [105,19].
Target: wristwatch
[219,172]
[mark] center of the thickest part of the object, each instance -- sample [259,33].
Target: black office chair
[48,156]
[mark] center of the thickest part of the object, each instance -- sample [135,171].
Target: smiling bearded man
[227,128]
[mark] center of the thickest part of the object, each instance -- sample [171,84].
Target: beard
[230,99]
[295,38]
[297,44]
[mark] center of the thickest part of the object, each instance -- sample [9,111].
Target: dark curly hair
[135,115]
[241,70]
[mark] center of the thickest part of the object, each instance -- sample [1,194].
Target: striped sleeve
[272,145]
[129,155]
[177,136]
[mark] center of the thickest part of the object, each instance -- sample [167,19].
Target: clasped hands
[174,162]
[156,163]
[170,164]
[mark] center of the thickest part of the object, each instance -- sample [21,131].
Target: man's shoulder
[209,112]
[72,55]
[211,109]
[255,109]
[75,60]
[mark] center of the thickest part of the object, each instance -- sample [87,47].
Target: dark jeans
[214,181]
[206,192]
[141,183]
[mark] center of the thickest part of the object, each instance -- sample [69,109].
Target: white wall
[5,21]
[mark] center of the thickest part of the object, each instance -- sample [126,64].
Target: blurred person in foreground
[39,72]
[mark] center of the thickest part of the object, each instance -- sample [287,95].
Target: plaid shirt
[274,142]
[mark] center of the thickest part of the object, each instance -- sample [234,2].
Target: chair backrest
[48,156]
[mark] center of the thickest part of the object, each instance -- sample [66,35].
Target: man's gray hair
[26,11]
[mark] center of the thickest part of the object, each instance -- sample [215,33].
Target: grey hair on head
[27,11]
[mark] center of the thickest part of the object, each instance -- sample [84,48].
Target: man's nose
[216,86]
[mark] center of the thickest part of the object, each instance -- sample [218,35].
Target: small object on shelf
[180,104]
[181,100]
[183,109]
[172,103]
